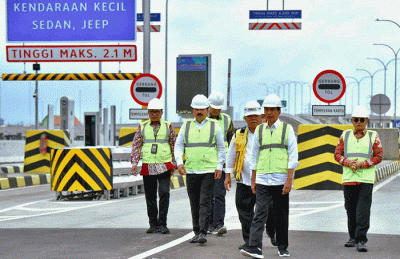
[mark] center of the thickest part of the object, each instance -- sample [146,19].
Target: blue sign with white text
[276,14]
[154,17]
[397,123]
[71,20]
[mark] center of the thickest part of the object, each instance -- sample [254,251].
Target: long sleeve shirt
[230,159]
[179,147]
[377,150]
[275,178]
[152,169]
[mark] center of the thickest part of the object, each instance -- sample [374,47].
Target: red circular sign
[329,86]
[144,88]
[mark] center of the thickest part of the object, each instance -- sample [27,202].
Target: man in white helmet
[154,143]
[358,151]
[217,219]
[273,161]
[202,142]
[238,163]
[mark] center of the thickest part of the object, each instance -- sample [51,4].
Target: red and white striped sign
[275,26]
[153,28]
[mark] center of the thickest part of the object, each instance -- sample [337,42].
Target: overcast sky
[336,35]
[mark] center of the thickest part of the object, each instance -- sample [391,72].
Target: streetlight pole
[166,61]
[395,72]
[385,69]
[358,86]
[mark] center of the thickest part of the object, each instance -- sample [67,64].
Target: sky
[338,35]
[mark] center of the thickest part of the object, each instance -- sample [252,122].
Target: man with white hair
[359,151]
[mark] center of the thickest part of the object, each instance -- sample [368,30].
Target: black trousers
[264,196]
[157,217]
[245,201]
[200,190]
[218,203]
[357,202]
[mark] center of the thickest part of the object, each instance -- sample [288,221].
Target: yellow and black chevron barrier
[126,136]
[318,169]
[178,181]
[69,76]
[34,160]
[22,181]
[81,169]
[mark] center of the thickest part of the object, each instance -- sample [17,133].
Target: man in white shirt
[202,142]
[273,160]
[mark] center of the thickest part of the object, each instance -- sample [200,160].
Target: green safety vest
[163,154]
[224,122]
[361,149]
[200,145]
[274,154]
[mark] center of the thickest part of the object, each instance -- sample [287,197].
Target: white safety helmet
[252,108]
[216,100]
[272,100]
[360,112]
[155,104]
[199,102]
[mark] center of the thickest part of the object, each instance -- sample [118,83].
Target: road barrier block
[126,136]
[34,160]
[23,181]
[81,169]
[318,169]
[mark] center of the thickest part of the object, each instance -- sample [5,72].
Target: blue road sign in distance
[154,17]
[80,20]
[397,123]
[276,14]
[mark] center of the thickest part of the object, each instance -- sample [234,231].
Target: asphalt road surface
[34,225]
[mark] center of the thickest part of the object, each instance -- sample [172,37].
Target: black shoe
[202,238]
[283,252]
[254,252]
[152,229]
[164,230]
[194,239]
[351,243]
[362,247]
[244,246]
[220,230]
[210,230]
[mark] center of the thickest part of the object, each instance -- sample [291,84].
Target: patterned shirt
[152,169]
[376,148]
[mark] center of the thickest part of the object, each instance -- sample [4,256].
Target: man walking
[217,219]
[358,151]
[202,142]
[274,158]
[154,142]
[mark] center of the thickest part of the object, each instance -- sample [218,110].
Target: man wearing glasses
[358,151]
[154,142]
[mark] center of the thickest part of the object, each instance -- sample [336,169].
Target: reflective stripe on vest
[147,139]
[367,156]
[362,150]
[282,145]
[163,153]
[200,144]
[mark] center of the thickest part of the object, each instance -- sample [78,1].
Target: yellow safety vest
[200,145]
[361,149]
[274,156]
[224,122]
[163,154]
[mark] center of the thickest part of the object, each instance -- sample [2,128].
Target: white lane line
[164,247]
[385,182]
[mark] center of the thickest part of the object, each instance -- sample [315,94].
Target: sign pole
[146,36]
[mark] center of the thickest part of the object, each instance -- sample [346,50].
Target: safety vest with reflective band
[163,154]
[361,149]
[200,145]
[241,145]
[274,154]
[224,122]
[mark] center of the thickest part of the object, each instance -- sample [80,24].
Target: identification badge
[154,149]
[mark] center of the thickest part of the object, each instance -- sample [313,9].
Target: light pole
[395,71]
[372,79]
[358,85]
[166,59]
[385,69]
